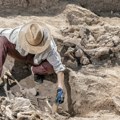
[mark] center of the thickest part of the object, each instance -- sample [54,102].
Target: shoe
[39,78]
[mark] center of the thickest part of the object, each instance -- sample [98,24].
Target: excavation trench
[89,47]
[86,88]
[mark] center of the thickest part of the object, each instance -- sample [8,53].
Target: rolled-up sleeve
[55,60]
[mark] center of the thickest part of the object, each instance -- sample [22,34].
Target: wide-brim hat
[34,37]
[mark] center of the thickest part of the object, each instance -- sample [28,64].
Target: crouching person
[33,44]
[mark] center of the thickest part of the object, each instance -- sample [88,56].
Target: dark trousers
[8,48]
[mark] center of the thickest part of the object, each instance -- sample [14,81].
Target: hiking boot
[39,78]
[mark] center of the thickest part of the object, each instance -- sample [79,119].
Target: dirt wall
[94,5]
[40,3]
[101,5]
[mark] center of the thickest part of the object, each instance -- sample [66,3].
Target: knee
[48,67]
[43,68]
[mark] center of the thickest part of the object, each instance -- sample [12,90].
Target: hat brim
[47,37]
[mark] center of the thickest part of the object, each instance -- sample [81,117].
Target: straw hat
[34,37]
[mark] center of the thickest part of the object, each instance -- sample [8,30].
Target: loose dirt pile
[90,48]
[20,108]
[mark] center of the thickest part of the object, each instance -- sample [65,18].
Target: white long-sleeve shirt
[50,54]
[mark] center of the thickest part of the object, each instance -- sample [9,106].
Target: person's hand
[59,96]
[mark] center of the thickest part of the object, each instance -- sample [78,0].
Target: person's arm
[60,93]
[60,77]
[55,60]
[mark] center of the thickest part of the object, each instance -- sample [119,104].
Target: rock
[79,16]
[32,91]
[72,64]
[69,53]
[70,42]
[101,51]
[116,40]
[94,92]
[116,100]
[84,60]
[79,53]
[91,46]
[116,49]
